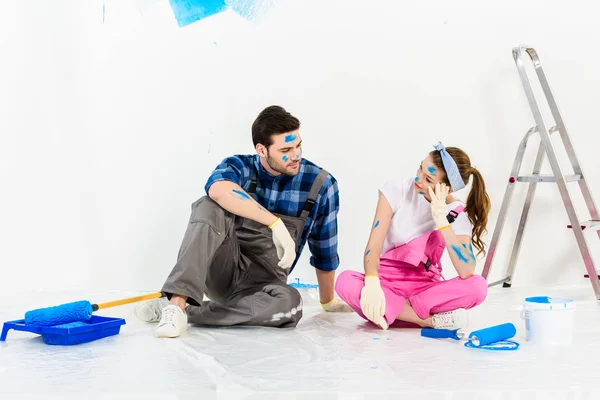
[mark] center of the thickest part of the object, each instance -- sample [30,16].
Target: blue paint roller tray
[95,328]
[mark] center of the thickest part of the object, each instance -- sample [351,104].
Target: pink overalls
[413,272]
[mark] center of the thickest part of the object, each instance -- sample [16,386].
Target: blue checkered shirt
[286,195]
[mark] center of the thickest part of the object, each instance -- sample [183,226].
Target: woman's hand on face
[438,204]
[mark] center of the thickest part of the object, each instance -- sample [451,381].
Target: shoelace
[444,319]
[168,316]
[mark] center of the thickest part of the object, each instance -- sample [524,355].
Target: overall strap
[314,191]
[451,217]
[252,187]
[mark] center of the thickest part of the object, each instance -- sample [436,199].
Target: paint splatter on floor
[299,285]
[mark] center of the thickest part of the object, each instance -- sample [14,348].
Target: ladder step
[593,223]
[545,178]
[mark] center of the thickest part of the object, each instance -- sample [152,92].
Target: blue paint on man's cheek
[285,158]
[459,254]
[290,138]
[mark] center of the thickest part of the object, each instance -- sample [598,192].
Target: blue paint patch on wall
[250,9]
[190,11]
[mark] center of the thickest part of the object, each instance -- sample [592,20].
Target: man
[245,237]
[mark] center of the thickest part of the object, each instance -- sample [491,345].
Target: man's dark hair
[273,120]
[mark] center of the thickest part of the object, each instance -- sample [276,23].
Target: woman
[415,221]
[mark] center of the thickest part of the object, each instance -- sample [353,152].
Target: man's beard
[280,168]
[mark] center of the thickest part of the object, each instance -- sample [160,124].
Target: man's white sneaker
[151,310]
[173,322]
[456,319]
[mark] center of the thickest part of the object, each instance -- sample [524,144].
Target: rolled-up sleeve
[323,238]
[234,169]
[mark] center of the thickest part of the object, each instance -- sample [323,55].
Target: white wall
[109,131]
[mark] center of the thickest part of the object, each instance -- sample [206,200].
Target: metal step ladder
[558,177]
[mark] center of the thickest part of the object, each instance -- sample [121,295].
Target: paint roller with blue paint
[72,323]
[491,338]
[78,311]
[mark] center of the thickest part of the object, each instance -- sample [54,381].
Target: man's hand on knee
[286,247]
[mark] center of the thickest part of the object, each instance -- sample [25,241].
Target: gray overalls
[234,261]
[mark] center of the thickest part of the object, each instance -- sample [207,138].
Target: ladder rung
[592,223]
[546,178]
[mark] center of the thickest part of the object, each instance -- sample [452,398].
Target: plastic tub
[549,320]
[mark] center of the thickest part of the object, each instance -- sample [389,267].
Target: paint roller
[78,311]
[491,338]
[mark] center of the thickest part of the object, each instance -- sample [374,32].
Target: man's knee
[206,210]
[285,308]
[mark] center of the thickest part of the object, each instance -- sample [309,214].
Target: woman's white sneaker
[456,319]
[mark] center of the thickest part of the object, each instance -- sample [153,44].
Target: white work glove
[336,305]
[372,299]
[438,204]
[286,247]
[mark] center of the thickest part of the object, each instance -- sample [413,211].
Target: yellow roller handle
[135,299]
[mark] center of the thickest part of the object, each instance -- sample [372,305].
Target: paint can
[549,320]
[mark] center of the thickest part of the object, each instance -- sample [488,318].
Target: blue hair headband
[452,172]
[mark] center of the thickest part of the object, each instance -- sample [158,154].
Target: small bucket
[549,320]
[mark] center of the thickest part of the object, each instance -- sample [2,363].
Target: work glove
[438,205]
[286,247]
[336,305]
[372,300]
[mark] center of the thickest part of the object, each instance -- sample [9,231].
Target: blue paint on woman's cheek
[416,179]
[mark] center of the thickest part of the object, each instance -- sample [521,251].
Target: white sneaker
[173,322]
[456,319]
[151,310]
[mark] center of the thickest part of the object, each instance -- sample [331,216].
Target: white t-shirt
[411,216]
